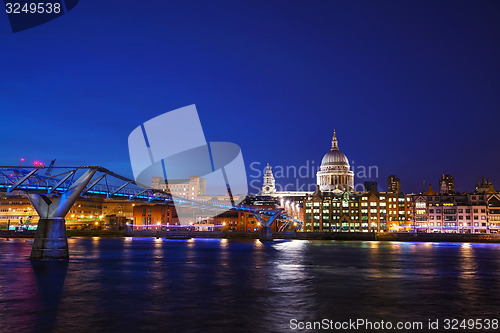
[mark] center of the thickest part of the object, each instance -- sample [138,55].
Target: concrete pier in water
[50,240]
[266,234]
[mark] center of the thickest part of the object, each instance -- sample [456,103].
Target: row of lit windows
[355,204]
[461,217]
[454,211]
[476,224]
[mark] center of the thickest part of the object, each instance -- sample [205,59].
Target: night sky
[412,87]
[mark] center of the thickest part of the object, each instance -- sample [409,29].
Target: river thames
[219,285]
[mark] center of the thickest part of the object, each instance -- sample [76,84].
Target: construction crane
[48,173]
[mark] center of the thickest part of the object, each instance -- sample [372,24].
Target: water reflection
[149,284]
[50,277]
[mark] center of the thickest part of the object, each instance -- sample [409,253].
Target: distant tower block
[446,185]
[393,184]
[268,186]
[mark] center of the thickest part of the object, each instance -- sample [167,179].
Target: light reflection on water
[148,284]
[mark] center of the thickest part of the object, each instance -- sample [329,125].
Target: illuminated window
[420,204]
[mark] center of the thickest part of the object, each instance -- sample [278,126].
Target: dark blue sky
[412,87]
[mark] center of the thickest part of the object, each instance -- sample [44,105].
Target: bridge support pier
[266,233]
[51,242]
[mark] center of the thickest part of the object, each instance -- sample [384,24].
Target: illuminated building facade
[154,217]
[493,209]
[164,218]
[370,211]
[446,185]
[454,212]
[18,212]
[449,212]
[192,188]
[393,184]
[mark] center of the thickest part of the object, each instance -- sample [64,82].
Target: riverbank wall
[339,236]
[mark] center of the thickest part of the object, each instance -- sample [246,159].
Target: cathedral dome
[334,157]
[335,174]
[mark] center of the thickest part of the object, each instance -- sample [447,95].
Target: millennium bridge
[52,196]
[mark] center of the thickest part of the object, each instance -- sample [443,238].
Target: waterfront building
[154,217]
[493,210]
[452,212]
[398,212]
[449,212]
[232,220]
[370,211]
[18,212]
[160,217]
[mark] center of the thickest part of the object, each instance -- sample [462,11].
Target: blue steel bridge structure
[52,196]
[104,182]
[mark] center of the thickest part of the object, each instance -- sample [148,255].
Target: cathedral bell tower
[268,186]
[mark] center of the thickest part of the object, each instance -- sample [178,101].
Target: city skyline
[412,93]
[250,166]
